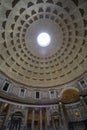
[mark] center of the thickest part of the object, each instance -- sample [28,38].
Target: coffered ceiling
[23,60]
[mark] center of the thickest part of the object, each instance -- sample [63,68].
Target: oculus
[43,39]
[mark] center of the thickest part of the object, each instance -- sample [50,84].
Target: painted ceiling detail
[69,95]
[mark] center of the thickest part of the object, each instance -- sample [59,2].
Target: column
[63,116]
[40,119]
[83,103]
[48,118]
[7,117]
[32,125]
[25,120]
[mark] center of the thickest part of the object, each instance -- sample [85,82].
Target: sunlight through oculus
[43,39]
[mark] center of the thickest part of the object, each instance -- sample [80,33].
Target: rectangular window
[52,94]
[83,83]
[6,85]
[22,92]
[37,95]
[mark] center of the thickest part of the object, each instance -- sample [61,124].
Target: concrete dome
[23,60]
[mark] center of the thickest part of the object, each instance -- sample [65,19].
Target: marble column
[32,125]
[7,120]
[83,103]
[48,118]
[40,119]
[65,125]
[47,114]
[25,120]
